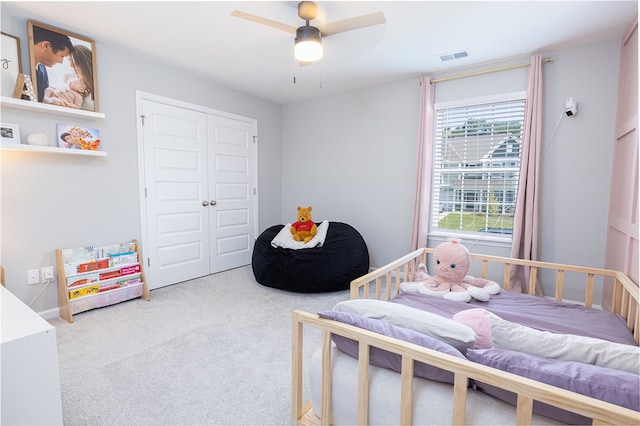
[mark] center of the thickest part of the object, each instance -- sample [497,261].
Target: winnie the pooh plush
[451,264]
[304,229]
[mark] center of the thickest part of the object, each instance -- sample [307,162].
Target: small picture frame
[10,63]
[10,133]
[76,137]
[24,89]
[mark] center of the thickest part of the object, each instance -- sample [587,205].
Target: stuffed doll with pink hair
[451,262]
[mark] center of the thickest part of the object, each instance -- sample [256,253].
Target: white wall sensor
[571,107]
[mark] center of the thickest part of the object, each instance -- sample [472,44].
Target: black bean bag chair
[342,258]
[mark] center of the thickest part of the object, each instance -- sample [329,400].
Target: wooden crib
[384,283]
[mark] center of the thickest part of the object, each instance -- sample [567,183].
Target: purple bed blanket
[557,317]
[532,311]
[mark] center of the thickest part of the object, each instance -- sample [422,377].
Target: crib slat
[507,284]
[460,384]
[633,321]
[326,377]
[616,305]
[485,268]
[588,294]
[396,281]
[387,278]
[624,305]
[533,277]
[406,392]
[559,283]
[405,272]
[524,410]
[363,384]
[296,369]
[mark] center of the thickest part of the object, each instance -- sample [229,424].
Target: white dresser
[30,389]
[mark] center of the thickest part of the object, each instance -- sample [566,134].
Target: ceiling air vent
[455,55]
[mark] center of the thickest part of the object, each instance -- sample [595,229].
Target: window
[476,165]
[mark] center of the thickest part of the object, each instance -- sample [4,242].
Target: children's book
[84,291]
[128,270]
[93,266]
[80,280]
[123,259]
[75,137]
[132,281]
[116,250]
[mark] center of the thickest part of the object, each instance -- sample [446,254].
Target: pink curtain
[525,221]
[422,197]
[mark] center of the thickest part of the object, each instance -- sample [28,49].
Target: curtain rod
[508,67]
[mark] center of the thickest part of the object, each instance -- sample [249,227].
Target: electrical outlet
[47,273]
[33,276]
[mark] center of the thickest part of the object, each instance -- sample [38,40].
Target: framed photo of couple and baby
[63,67]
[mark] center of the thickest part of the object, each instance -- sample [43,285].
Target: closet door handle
[213,202]
[205,203]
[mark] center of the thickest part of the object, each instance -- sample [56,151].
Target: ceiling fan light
[308,46]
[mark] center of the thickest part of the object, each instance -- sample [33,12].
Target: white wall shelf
[7,102]
[50,150]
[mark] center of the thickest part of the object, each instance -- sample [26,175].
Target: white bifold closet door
[199,192]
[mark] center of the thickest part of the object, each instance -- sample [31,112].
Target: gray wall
[57,201]
[352,156]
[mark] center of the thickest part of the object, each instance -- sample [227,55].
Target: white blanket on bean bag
[285,239]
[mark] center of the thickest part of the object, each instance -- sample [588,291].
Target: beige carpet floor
[211,351]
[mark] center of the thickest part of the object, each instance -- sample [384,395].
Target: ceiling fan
[308,41]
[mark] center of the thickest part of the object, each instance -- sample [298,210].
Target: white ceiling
[203,38]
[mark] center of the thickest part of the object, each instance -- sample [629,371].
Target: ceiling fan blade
[264,21]
[354,23]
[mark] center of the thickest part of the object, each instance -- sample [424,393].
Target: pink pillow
[478,320]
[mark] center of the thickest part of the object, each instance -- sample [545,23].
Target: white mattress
[432,400]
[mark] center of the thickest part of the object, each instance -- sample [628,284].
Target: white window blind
[476,164]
